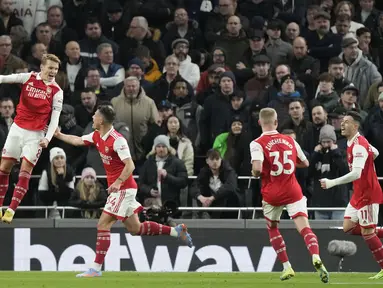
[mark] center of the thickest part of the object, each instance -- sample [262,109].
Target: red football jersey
[278,154]
[113,149]
[367,189]
[37,99]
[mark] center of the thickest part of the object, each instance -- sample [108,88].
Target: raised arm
[15,78]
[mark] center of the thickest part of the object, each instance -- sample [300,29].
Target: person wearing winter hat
[327,138]
[288,86]
[136,68]
[122,204]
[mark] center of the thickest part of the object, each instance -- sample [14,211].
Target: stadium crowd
[186,76]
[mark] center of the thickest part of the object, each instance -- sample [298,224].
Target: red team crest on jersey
[106,149]
[49,91]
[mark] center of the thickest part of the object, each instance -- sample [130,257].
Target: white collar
[349,143]
[273,132]
[38,76]
[107,134]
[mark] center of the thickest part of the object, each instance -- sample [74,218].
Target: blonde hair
[89,194]
[54,173]
[50,57]
[267,116]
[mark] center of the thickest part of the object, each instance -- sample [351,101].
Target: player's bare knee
[26,166]
[348,226]
[272,224]
[301,222]
[6,165]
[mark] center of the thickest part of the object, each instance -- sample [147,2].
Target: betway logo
[135,251]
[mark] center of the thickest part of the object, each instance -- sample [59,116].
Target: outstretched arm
[15,78]
[360,155]
[57,105]
[75,140]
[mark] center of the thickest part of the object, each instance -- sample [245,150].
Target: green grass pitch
[181,280]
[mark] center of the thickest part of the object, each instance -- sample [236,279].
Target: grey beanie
[327,132]
[162,140]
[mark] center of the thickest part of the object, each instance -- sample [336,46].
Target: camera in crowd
[161,213]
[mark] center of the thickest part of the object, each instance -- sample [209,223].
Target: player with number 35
[274,158]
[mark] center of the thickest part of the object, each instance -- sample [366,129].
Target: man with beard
[336,70]
[322,43]
[8,18]
[319,116]
[188,70]
[256,87]
[358,70]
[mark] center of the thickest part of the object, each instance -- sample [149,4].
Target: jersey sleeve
[120,146]
[256,152]
[301,155]
[58,99]
[360,155]
[88,139]
[15,78]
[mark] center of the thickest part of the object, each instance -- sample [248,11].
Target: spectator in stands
[343,25]
[138,111]
[358,70]
[303,129]
[182,27]
[372,96]
[319,116]
[115,21]
[281,101]
[157,12]
[89,195]
[327,97]
[377,41]
[9,62]
[111,73]
[136,68]
[161,88]
[256,87]
[84,112]
[233,40]
[7,111]
[36,13]
[311,11]
[328,161]
[140,34]
[305,66]
[216,183]
[73,63]
[163,175]
[260,8]
[347,8]
[349,100]
[219,58]
[336,70]
[152,71]
[34,61]
[292,32]
[92,80]
[217,114]
[364,38]
[93,39]
[209,82]
[56,183]
[68,125]
[188,70]
[43,34]
[367,14]
[19,37]
[322,43]
[60,31]
[217,21]
[278,50]
[8,18]
[179,141]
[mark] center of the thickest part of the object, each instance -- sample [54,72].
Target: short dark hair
[142,52]
[335,61]
[107,112]
[7,99]
[92,20]
[288,132]
[298,100]
[92,68]
[326,77]
[362,31]
[88,89]
[343,18]
[379,85]
[315,104]
[213,154]
[355,115]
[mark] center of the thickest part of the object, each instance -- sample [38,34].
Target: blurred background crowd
[187,79]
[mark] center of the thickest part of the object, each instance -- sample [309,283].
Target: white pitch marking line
[355,283]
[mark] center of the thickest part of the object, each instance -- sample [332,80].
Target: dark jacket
[328,165]
[48,193]
[304,133]
[227,176]
[88,49]
[171,185]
